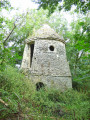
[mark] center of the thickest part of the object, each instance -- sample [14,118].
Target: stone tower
[45,58]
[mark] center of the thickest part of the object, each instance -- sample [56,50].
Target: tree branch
[3,102]
[9,34]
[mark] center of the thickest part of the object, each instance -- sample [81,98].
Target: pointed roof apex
[46,32]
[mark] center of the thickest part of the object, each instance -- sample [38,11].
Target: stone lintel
[30,40]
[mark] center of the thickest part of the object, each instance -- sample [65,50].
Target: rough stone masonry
[45,58]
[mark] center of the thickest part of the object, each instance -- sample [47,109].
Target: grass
[22,101]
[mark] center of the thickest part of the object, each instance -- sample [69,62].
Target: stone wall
[55,82]
[45,59]
[47,62]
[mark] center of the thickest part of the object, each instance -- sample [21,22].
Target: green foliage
[78,53]
[51,5]
[5,53]
[13,87]
[4,4]
[21,100]
[22,26]
[69,105]
[18,92]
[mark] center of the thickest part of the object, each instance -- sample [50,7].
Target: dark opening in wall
[39,86]
[51,48]
[32,50]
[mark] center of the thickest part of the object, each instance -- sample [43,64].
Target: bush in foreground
[14,89]
[21,100]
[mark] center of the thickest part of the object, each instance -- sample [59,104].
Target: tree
[78,52]
[4,4]
[19,28]
[51,5]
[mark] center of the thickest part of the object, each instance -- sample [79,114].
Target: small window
[51,48]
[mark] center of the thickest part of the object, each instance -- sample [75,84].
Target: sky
[21,6]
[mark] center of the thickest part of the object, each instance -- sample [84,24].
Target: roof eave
[29,40]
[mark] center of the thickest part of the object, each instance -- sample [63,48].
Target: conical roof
[45,32]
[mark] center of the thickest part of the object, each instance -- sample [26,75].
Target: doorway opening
[32,51]
[39,86]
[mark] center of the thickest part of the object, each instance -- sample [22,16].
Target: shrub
[70,104]
[20,99]
[15,88]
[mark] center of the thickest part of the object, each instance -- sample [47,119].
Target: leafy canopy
[51,5]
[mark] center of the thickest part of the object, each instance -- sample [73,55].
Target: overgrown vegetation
[81,5]
[13,87]
[21,100]
[18,96]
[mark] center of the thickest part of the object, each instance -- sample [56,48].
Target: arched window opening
[39,86]
[51,48]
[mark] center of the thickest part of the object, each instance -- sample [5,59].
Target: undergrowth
[19,99]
